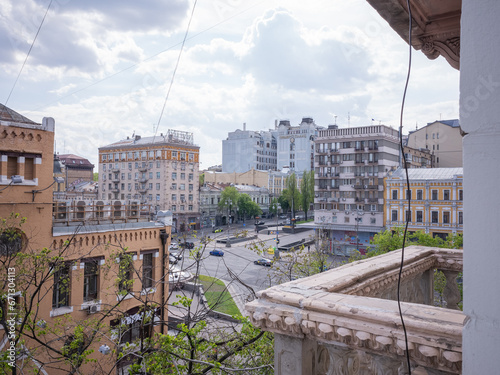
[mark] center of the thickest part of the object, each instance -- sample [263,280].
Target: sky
[102,69]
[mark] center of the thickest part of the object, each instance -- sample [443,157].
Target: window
[182,186]
[174,154]
[174,208]
[174,176]
[158,174]
[183,176]
[434,195]
[434,217]
[190,187]
[147,270]
[394,194]
[150,175]
[420,217]
[125,280]
[460,217]
[373,220]
[135,330]
[408,194]
[394,214]
[446,195]
[11,166]
[346,219]
[190,207]
[190,177]
[408,216]
[29,168]
[90,280]
[60,293]
[158,163]
[446,217]
[158,186]
[157,197]
[420,195]
[460,195]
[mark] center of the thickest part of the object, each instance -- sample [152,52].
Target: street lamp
[276,253]
[228,243]
[358,219]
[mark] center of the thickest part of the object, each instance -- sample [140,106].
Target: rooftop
[9,115]
[172,137]
[429,173]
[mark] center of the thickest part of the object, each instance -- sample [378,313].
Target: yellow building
[436,200]
[88,265]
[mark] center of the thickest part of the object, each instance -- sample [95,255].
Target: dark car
[217,252]
[217,230]
[259,223]
[263,262]
[187,245]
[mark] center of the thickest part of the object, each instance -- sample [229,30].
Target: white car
[173,246]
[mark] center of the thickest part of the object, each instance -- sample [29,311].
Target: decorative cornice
[322,309]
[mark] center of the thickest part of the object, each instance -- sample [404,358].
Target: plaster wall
[479,117]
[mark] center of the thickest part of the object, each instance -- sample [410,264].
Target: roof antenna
[335,119]
[348,119]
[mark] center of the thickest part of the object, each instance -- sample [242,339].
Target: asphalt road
[238,259]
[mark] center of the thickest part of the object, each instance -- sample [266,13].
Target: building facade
[436,200]
[76,169]
[443,140]
[162,171]
[244,150]
[70,260]
[349,169]
[296,145]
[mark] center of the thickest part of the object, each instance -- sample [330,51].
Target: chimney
[244,126]
[137,137]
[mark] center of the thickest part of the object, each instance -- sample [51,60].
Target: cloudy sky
[102,69]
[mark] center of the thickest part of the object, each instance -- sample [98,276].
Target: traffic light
[277,241]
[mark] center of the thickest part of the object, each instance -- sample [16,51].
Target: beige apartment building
[162,171]
[443,140]
[79,265]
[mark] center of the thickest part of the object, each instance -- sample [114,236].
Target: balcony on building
[346,320]
[143,190]
[143,180]
[115,170]
[73,213]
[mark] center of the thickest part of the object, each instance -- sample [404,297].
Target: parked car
[259,223]
[263,262]
[173,246]
[217,252]
[172,259]
[217,230]
[187,245]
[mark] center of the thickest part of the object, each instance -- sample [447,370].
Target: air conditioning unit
[92,309]
[347,212]
[366,186]
[343,199]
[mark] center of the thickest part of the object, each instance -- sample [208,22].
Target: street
[238,260]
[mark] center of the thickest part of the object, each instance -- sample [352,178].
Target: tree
[95,177]
[307,191]
[247,207]
[273,206]
[283,201]
[228,200]
[293,193]
[67,342]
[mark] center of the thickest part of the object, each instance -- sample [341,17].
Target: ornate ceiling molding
[436,25]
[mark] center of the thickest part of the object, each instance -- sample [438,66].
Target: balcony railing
[346,320]
[73,213]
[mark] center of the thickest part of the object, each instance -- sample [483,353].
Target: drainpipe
[163,238]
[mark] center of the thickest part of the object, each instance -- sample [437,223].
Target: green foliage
[307,191]
[283,201]
[292,193]
[229,197]
[247,207]
[95,177]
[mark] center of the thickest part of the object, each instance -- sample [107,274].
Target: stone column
[480,121]
[294,356]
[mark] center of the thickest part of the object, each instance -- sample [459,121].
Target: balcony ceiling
[436,25]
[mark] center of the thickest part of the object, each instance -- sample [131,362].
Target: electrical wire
[27,55]
[408,195]
[175,68]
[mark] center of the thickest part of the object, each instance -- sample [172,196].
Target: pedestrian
[308,248]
